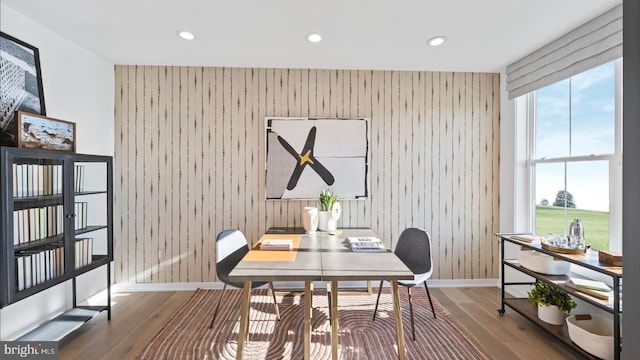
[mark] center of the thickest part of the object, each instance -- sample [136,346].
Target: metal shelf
[529,311]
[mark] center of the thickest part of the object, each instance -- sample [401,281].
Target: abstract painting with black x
[305,156]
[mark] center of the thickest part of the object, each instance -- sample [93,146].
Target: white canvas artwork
[305,156]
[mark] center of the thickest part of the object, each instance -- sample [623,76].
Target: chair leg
[377,300]
[430,302]
[248,323]
[215,311]
[413,330]
[329,289]
[275,303]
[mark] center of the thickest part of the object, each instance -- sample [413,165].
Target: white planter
[326,221]
[310,219]
[550,314]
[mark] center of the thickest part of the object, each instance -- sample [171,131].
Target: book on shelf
[36,179]
[80,209]
[529,238]
[603,295]
[78,185]
[37,223]
[276,244]
[590,284]
[367,246]
[20,272]
[83,252]
[34,267]
[16,227]
[14,173]
[40,177]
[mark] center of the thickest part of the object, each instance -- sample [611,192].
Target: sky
[576,117]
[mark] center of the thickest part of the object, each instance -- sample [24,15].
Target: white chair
[414,249]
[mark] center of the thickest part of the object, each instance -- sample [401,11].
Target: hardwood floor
[505,337]
[138,316]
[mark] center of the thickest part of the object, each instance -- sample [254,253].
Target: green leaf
[545,294]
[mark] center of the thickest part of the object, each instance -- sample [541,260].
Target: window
[575,155]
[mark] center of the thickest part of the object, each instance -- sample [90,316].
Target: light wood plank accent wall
[190,161]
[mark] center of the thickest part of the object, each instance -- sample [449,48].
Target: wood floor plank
[504,330]
[458,296]
[513,331]
[91,334]
[486,339]
[133,323]
[484,311]
[531,334]
[138,316]
[145,331]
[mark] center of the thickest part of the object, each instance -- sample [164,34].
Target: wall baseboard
[191,286]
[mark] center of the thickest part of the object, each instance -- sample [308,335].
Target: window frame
[614,160]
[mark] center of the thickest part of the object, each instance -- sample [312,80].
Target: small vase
[550,314]
[310,219]
[326,221]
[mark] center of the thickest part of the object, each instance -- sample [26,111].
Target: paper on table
[367,246]
[274,255]
[353,239]
[276,244]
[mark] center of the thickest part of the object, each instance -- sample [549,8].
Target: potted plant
[330,211]
[553,303]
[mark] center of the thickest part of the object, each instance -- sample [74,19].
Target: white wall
[78,87]
[514,214]
[507,159]
[514,182]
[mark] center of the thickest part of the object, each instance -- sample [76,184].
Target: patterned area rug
[187,334]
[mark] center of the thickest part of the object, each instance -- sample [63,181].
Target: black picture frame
[20,85]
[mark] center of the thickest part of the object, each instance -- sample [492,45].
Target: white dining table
[322,257]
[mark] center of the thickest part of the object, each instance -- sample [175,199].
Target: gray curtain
[594,43]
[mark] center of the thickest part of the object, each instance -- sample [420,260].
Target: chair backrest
[231,246]
[414,249]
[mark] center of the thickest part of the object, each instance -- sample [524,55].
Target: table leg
[398,312]
[334,320]
[307,320]
[244,318]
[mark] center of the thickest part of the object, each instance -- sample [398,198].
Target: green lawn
[550,219]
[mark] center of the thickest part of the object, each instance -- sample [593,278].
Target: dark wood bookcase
[56,224]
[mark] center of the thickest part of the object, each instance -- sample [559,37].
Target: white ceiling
[484,35]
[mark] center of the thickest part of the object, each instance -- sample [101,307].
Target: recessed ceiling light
[186,35]
[314,37]
[437,41]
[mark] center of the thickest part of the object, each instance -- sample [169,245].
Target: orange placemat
[256,254]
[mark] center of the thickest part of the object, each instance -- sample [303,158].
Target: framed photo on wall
[20,85]
[41,132]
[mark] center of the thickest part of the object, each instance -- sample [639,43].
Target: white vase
[550,314]
[326,221]
[310,219]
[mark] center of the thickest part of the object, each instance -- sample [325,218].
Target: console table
[589,261]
